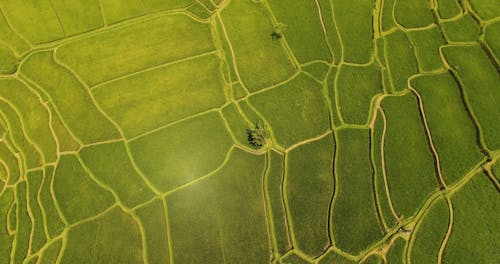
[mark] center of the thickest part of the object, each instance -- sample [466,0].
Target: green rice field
[249,131]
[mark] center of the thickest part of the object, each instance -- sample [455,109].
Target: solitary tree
[278,31]
[258,136]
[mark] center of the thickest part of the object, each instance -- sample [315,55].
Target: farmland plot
[249,131]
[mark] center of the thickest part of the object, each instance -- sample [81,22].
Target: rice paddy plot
[249,131]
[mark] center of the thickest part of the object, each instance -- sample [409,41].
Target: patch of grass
[475,207]
[43,24]
[261,60]
[429,234]
[356,87]
[355,34]
[78,196]
[480,81]
[38,237]
[448,8]
[354,218]
[318,69]
[410,169]
[163,95]
[302,105]
[51,253]
[33,115]
[462,30]
[413,14]
[308,189]
[152,218]
[70,97]
[111,165]
[451,127]
[486,9]
[110,238]
[166,156]
[115,10]
[492,39]
[23,226]
[8,60]
[427,43]
[11,162]
[302,20]
[233,226]
[125,50]
[31,155]
[400,58]
[6,201]
[78,16]
[55,225]
[276,202]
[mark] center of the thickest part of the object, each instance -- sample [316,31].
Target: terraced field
[250,131]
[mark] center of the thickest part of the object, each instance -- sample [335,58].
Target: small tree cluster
[257,137]
[278,31]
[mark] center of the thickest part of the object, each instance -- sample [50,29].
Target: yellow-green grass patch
[233,224]
[54,223]
[33,114]
[429,234]
[35,20]
[8,60]
[11,162]
[294,258]
[354,217]
[333,257]
[38,237]
[373,259]
[78,196]
[149,100]
[308,189]
[261,61]
[152,217]
[159,5]
[426,43]
[117,10]
[413,14]
[332,36]
[237,123]
[23,227]
[400,58]
[387,15]
[492,39]
[463,29]
[356,87]
[476,210]
[299,104]
[496,170]
[65,140]
[11,38]
[276,204]
[452,128]
[111,238]
[330,94]
[356,34]
[318,70]
[6,201]
[51,253]
[486,9]
[448,8]
[78,16]
[479,80]
[409,161]
[183,152]
[31,155]
[238,91]
[396,252]
[381,195]
[125,50]
[111,164]
[301,21]
[70,98]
